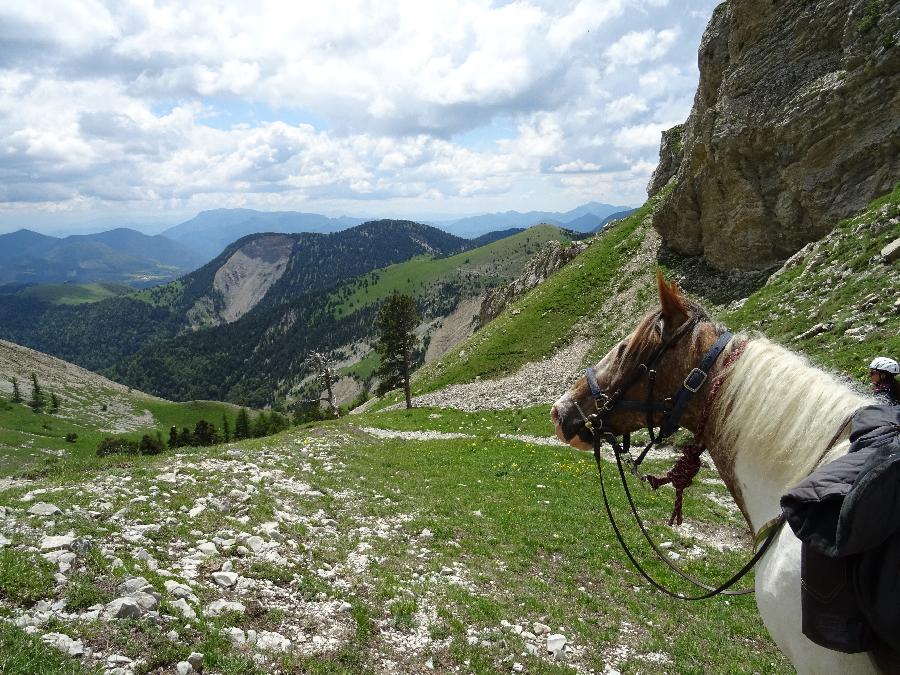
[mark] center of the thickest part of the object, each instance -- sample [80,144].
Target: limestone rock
[62,541]
[671,151]
[123,608]
[891,252]
[273,642]
[44,509]
[225,579]
[793,127]
[184,609]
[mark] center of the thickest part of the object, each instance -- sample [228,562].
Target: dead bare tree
[321,364]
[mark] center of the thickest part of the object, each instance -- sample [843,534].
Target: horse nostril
[554,415]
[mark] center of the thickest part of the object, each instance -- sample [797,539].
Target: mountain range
[265,269]
[121,255]
[588,217]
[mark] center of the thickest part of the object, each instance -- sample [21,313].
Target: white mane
[782,409]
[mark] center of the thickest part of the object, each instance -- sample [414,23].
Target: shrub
[150,445]
[117,446]
[71,437]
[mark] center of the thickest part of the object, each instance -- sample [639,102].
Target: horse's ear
[672,303]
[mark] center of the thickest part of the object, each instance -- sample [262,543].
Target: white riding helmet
[885,364]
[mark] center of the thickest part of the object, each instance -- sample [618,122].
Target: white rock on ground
[123,608]
[4,541]
[44,509]
[64,643]
[62,541]
[184,668]
[184,609]
[270,641]
[556,643]
[225,579]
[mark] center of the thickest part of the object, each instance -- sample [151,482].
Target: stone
[227,566]
[196,661]
[184,609]
[64,643]
[735,201]
[891,252]
[540,628]
[517,667]
[207,548]
[271,641]
[123,608]
[134,584]
[225,579]
[236,636]
[556,643]
[50,543]
[4,541]
[256,543]
[184,668]
[177,590]
[219,607]
[44,509]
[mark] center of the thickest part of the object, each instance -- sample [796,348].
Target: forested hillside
[259,358]
[98,335]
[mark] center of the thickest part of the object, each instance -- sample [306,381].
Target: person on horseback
[883,373]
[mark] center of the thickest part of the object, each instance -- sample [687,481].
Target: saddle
[847,514]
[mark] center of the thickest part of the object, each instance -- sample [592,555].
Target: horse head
[634,381]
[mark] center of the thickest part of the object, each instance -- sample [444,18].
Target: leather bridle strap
[722,589]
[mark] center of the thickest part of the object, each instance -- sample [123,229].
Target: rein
[682,474]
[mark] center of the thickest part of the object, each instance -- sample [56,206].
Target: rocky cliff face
[795,126]
[542,265]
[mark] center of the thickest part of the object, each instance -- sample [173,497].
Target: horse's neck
[772,421]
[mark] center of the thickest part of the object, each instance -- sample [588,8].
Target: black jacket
[847,513]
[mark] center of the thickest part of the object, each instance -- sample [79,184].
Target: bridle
[672,409]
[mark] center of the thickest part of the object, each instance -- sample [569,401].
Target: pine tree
[226,429]
[54,403]
[173,437]
[261,425]
[205,433]
[17,395]
[37,395]
[242,425]
[397,319]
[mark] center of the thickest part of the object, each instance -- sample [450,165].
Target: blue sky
[145,111]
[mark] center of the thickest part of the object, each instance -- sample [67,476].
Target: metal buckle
[689,384]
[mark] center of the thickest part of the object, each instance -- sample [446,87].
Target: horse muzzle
[569,423]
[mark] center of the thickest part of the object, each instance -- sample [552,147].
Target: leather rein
[672,408]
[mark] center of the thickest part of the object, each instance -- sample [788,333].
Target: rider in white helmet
[883,373]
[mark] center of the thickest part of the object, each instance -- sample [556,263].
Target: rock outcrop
[544,263]
[794,126]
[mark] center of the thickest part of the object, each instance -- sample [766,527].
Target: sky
[145,112]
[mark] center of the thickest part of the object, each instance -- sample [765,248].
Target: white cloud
[640,46]
[159,104]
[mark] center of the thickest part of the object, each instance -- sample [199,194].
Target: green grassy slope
[545,318]
[491,264]
[91,407]
[74,294]
[840,282]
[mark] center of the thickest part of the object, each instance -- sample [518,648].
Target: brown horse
[766,428]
